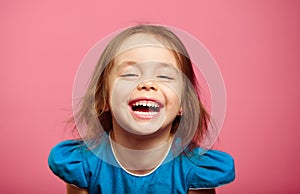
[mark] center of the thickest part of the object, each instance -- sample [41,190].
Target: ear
[106,109]
[180,112]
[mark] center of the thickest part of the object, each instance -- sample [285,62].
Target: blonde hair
[94,114]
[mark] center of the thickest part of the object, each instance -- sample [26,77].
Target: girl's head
[105,88]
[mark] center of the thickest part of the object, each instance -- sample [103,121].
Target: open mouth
[145,108]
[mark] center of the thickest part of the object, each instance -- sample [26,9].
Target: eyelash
[165,77]
[129,75]
[135,75]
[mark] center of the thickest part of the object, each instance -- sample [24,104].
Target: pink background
[255,43]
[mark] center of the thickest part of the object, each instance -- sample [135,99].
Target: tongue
[144,109]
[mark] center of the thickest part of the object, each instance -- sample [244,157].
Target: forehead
[139,40]
[142,47]
[146,54]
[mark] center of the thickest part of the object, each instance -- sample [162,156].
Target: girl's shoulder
[208,168]
[66,160]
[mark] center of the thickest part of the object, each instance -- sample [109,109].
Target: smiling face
[145,89]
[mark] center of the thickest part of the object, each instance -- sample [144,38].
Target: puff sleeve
[66,161]
[210,170]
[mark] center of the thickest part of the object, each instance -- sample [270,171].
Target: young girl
[141,123]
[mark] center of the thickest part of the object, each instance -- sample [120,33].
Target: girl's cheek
[121,90]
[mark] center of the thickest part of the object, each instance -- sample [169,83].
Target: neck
[141,142]
[140,162]
[140,154]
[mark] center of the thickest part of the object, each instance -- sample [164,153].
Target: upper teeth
[146,103]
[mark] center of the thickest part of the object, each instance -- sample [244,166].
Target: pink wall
[255,43]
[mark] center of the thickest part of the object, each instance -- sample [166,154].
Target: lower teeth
[147,114]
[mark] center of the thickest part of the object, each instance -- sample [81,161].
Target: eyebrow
[125,64]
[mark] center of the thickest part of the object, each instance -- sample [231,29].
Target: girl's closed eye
[129,76]
[165,77]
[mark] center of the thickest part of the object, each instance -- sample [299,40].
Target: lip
[145,116]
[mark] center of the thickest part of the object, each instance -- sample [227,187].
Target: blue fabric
[75,164]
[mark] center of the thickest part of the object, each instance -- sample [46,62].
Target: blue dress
[75,164]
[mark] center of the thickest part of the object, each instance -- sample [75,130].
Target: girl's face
[145,88]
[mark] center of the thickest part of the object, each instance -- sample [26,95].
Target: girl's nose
[147,86]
